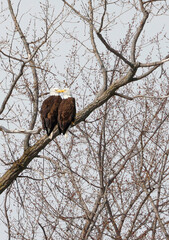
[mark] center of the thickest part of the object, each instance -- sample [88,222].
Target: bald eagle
[49,110]
[66,111]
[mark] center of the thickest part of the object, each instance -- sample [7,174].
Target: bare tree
[109,178]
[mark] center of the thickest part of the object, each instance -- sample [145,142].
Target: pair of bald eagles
[58,111]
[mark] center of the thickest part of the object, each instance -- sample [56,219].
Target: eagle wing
[66,113]
[53,114]
[49,111]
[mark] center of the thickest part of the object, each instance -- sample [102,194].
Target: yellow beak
[60,90]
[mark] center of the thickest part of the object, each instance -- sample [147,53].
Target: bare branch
[113,221]
[44,232]
[12,57]
[83,204]
[100,36]
[156,213]
[139,96]
[102,19]
[12,88]
[24,131]
[137,214]
[138,32]
[146,74]
[150,1]
[6,214]
[101,63]
[34,73]
[77,12]
[113,50]
[166,59]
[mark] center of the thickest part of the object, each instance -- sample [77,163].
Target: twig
[138,32]
[102,19]
[24,131]
[166,59]
[12,87]
[113,50]
[156,212]
[139,96]
[96,52]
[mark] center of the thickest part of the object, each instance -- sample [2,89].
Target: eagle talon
[73,123]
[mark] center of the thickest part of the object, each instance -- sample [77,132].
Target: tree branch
[32,152]
[157,63]
[34,73]
[156,212]
[113,50]
[117,230]
[77,12]
[102,19]
[139,96]
[99,35]
[12,87]
[100,61]
[24,131]
[138,32]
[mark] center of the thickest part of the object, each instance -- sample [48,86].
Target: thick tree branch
[32,152]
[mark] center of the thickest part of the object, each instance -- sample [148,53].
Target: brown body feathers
[49,113]
[66,114]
